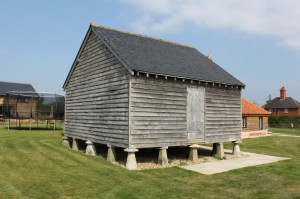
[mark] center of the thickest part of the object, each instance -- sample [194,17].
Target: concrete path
[250,159]
[286,135]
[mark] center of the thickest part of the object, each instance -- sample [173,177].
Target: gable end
[87,36]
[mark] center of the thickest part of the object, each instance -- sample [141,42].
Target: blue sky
[257,41]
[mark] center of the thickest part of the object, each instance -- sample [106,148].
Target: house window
[260,123]
[270,110]
[286,110]
[244,122]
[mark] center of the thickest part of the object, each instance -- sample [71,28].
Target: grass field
[34,164]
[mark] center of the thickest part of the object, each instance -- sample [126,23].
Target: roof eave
[256,114]
[186,78]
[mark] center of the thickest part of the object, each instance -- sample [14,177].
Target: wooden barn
[132,91]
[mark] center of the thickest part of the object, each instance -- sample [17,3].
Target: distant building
[254,119]
[10,86]
[283,106]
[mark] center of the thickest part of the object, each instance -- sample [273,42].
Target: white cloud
[277,18]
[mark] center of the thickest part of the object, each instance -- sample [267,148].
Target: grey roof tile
[10,86]
[155,56]
[288,102]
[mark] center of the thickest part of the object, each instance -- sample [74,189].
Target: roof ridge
[139,35]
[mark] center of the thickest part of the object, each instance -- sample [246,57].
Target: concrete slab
[285,135]
[250,159]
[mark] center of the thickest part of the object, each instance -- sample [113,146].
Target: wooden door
[195,112]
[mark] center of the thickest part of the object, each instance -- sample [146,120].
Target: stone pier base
[236,148]
[90,148]
[131,160]
[111,154]
[65,141]
[163,156]
[75,144]
[193,155]
[220,149]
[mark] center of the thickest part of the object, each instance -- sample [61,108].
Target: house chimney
[282,93]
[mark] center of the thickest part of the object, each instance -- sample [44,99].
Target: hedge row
[284,121]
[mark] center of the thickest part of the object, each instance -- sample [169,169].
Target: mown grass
[285,131]
[34,164]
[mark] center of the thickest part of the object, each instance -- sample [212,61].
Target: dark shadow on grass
[32,128]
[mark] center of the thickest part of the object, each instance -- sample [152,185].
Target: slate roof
[249,108]
[10,86]
[155,56]
[288,102]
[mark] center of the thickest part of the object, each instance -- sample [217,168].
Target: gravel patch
[178,156]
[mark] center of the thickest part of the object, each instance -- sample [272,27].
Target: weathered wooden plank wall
[157,112]
[223,114]
[97,97]
[26,109]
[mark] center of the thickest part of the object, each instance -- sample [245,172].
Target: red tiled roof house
[255,119]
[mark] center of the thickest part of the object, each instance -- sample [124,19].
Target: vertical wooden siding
[157,112]
[97,97]
[223,114]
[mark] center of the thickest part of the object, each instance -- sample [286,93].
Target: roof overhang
[185,79]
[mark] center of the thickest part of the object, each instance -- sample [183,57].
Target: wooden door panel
[195,112]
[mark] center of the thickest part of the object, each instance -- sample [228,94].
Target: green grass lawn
[285,131]
[34,164]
